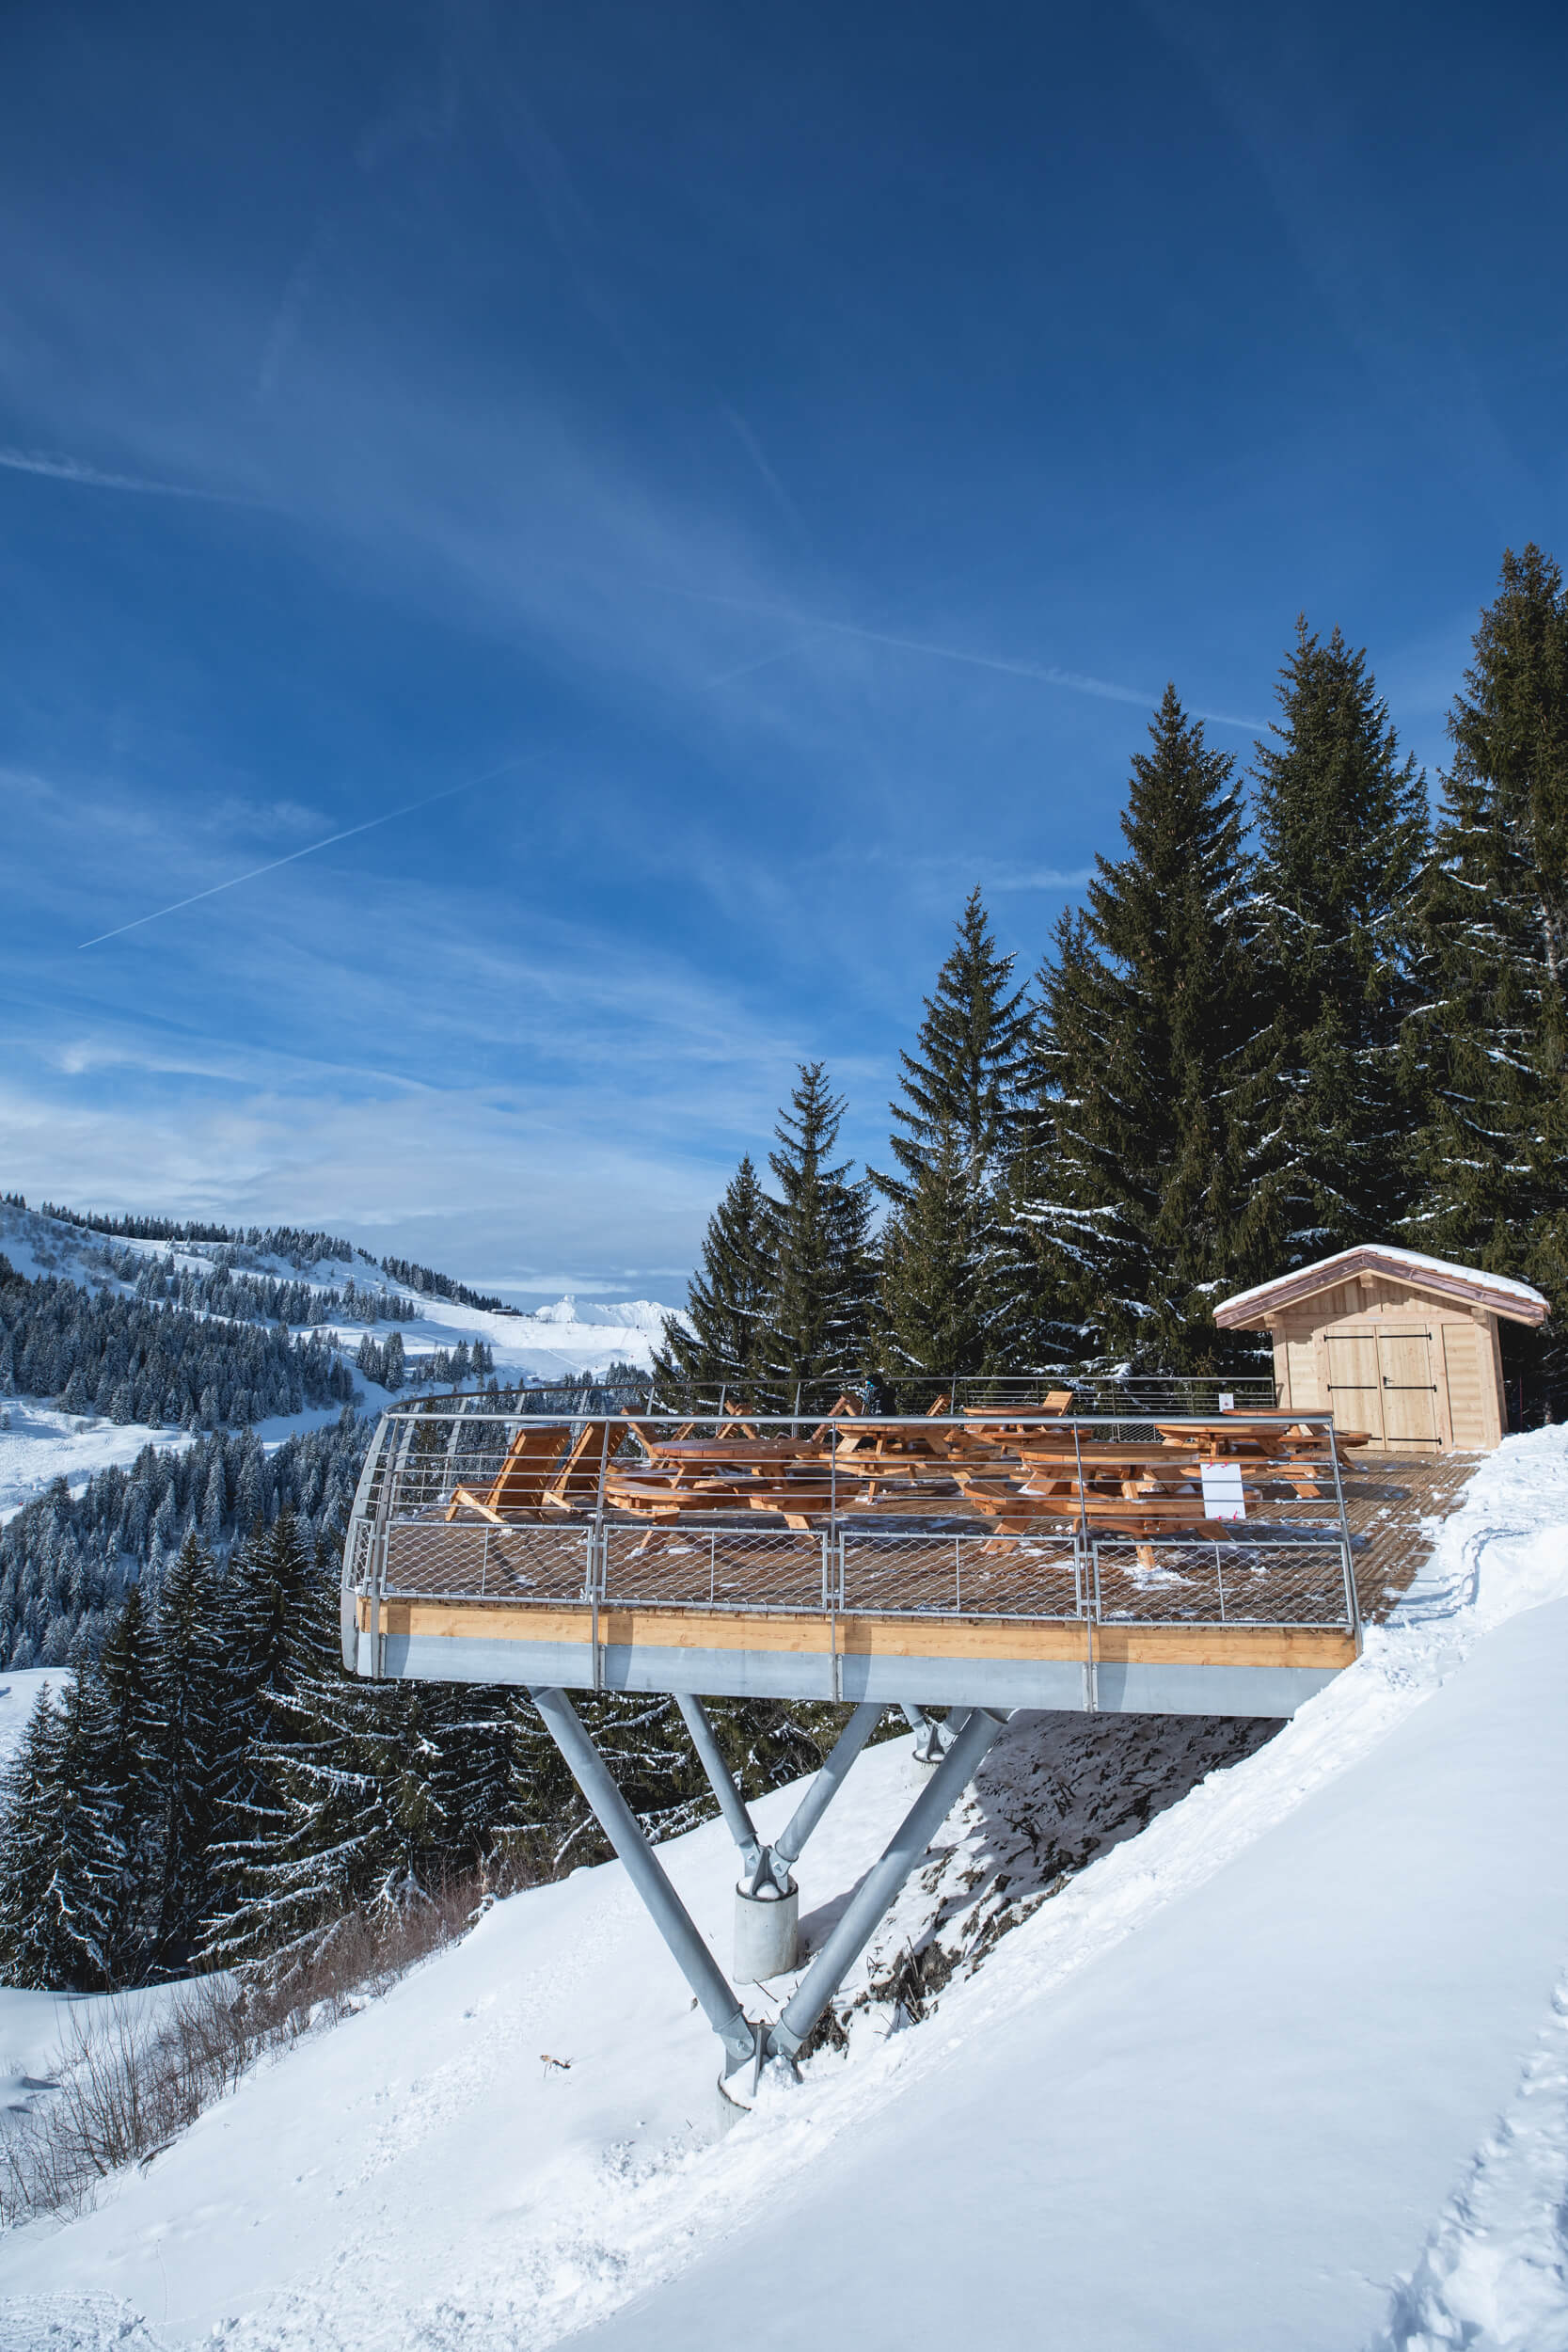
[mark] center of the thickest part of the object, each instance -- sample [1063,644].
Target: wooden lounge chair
[519,1486]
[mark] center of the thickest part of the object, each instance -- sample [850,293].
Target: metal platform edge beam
[1133,1686]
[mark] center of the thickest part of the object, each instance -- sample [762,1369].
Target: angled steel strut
[672,1918]
[744,2041]
[769,1866]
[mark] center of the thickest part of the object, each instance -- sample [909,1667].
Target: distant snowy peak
[628,1314]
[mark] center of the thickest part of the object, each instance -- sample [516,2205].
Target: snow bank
[1240,2076]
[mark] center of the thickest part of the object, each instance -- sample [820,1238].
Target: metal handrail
[407,1486]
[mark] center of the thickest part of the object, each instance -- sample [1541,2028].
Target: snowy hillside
[39,1441]
[1285,2068]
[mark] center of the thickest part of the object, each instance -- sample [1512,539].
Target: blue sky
[758,468]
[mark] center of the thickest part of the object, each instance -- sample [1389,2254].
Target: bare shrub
[131,2075]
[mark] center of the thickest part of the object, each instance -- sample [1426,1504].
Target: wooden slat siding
[1027,1640]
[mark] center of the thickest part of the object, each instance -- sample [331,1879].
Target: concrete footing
[767,1935]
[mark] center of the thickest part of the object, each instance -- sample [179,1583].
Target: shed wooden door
[1355,1382]
[1468,1368]
[1409,1386]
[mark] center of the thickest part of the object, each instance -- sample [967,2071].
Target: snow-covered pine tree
[822,1270]
[716,1344]
[956,1131]
[61,1864]
[471,1730]
[1143,1121]
[133,1779]
[271,1640]
[1488,1042]
[29,1794]
[1341,824]
[347,1818]
[196,1732]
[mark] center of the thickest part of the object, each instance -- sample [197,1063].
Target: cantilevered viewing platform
[1013,1555]
[1019,1556]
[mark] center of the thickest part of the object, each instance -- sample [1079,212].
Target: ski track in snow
[529,2256]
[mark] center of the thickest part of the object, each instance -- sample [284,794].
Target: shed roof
[1497,1292]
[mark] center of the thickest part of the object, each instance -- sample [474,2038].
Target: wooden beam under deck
[813,1634]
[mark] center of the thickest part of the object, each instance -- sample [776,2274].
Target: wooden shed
[1394,1342]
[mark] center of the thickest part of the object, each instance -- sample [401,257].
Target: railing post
[1352,1599]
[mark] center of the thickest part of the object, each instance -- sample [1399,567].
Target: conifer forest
[1311,998]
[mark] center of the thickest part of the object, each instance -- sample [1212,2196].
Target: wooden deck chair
[1056,1401]
[519,1485]
[576,1479]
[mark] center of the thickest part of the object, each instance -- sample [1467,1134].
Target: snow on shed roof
[1496,1291]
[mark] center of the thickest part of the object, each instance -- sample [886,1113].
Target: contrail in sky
[311,848]
[1048,674]
[93,478]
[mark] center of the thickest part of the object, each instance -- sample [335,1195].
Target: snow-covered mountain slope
[41,1443]
[1231,2084]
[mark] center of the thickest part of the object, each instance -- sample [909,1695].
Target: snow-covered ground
[18,1689]
[43,1443]
[1287,2068]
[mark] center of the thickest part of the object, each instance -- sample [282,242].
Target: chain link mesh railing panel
[475,1562]
[1169,1582]
[996,1576]
[712,1567]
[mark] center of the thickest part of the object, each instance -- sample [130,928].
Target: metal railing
[467,1502]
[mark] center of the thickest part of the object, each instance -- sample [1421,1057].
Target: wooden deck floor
[1393,1505]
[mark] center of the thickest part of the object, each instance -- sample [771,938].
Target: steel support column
[829,1780]
[615,1816]
[732,1805]
[874,1897]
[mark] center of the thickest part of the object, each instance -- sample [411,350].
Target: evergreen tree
[1488,1043]
[956,1127]
[822,1272]
[60,1862]
[960,1087]
[132,1778]
[1142,1158]
[716,1344]
[1341,834]
[935,1302]
[196,1738]
[29,1795]
[272,1642]
[347,1818]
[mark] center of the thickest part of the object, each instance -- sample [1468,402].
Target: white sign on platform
[1223,1498]
[1228,1400]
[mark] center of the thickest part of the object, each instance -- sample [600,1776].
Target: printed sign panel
[1222,1491]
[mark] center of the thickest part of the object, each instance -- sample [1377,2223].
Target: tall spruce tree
[937,1305]
[270,1646]
[350,1815]
[960,1089]
[1341,842]
[29,1794]
[197,1731]
[60,1861]
[1144,1155]
[822,1272]
[955,1125]
[716,1344]
[134,1782]
[1487,1044]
